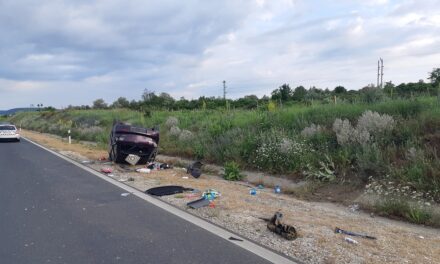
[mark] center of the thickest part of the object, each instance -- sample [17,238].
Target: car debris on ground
[351,241]
[167,190]
[276,225]
[106,170]
[202,202]
[341,231]
[195,169]
[143,170]
[211,194]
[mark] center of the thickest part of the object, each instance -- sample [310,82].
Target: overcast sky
[59,52]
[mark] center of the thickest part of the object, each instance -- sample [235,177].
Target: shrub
[278,153]
[325,172]
[185,135]
[174,131]
[375,123]
[369,124]
[311,130]
[171,122]
[344,131]
[232,171]
[235,144]
[371,162]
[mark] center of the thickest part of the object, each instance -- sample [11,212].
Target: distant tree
[389,88]
[283,93]
[99,104]
[165,100]
[434,76]
[49,108]
[121,102]
[313,94]
[371,94]
[340,90]
[299,94]
[148,95]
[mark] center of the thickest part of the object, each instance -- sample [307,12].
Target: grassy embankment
[394,151]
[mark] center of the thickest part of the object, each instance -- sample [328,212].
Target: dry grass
[397,242]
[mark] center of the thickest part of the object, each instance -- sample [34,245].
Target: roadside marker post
[70,138]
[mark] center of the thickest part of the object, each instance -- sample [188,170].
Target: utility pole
[378,68]
[224,90]
[381,73]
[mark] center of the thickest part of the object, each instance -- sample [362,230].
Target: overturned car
[134,145]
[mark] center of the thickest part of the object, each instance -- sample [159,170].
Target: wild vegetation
[387,137]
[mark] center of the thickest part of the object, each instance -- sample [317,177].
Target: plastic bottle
[350,240]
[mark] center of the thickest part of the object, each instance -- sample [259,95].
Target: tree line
[283,95]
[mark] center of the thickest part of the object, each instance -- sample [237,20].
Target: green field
[276,141]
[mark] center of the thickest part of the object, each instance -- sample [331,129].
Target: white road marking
[218,231]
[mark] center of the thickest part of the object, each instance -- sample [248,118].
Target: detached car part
[131,141]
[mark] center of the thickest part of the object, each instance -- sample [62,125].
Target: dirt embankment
[237,210]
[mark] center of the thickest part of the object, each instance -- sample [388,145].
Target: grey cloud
[108,35]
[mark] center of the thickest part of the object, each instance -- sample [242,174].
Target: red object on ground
[102,158]
[212,205]
[106,170]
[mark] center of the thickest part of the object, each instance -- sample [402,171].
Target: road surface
[55,212]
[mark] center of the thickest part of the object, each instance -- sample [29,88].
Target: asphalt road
[54,212]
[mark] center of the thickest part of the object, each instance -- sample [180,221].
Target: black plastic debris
[235,239]
[195,169]
[158,166]
[276,225]
[345,232]
[167,190]
[165,166]
[198,203]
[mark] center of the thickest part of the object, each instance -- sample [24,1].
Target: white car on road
[8,132]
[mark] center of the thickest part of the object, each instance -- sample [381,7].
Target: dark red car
[136,143]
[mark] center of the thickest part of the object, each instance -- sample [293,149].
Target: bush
[375,123]
[175,131]
[171,122]
[278,153]
[185,135]
[232,171]
[311,130]
[402,209]
[369,124]
[371,162]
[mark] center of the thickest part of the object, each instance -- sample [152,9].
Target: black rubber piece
[167,190]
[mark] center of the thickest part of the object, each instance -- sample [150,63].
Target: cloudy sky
[60,52]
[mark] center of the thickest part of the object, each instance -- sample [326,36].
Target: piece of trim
[258,250]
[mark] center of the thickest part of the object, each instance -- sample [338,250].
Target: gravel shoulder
[240,212]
